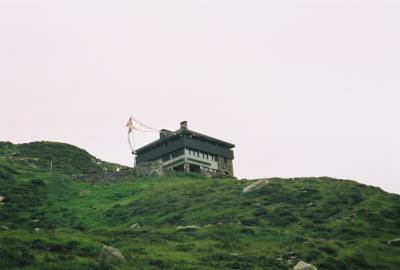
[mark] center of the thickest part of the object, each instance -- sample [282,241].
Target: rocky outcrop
[256,185]
[110,255]
[301,265]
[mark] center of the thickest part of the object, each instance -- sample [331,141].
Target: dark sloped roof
[175,134]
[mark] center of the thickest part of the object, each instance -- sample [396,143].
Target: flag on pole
[130,125]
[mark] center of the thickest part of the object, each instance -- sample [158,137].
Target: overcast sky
[303,88]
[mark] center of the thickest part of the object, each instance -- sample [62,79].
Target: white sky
[303,88]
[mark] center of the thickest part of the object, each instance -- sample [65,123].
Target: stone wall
[154,168]
[225,166]
[106,176]
[207,173]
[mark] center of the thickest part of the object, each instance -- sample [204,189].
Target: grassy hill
[65,158]
[51,221]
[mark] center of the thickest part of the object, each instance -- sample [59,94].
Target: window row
[191,152]
[173,154]
[200,154]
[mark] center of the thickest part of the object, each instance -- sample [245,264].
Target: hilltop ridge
[184,221]
[65,158]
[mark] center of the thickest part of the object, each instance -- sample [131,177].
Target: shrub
[282,216]
[14,253]
[250,222]
[37,182]
[313,255]
[328,250]
[357,261]
[260,212]
[333,264]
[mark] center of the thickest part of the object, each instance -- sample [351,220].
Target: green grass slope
[54,222]
[65,158]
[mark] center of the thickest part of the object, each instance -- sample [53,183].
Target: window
[178,153]
[166,157]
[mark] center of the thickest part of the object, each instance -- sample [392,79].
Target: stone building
[189,151]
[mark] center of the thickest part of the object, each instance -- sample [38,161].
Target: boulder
[4,228]
[1,198]
[37,229]
[301,265]
[111,255]
[256,185]
[394,242]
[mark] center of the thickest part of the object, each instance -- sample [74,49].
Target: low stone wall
[142,169]
[154,168]
[105,177]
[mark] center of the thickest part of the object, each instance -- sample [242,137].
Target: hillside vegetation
[51,221]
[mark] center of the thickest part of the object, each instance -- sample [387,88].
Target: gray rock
[394,242]
[136,225]
[301,265]
[111,255]
[37,229]
[4,228]
[84,193]
[1,198]
[256,185]
[187,228]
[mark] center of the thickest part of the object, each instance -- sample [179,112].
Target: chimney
[165,133]
[184,125]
